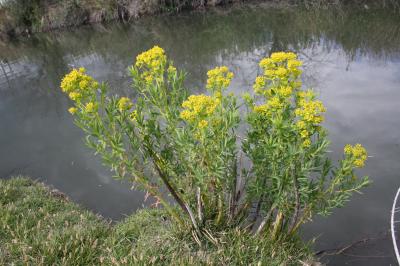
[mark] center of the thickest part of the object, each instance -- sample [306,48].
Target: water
[352,58]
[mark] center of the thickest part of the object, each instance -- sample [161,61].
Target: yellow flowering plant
[188,147]
[292,178]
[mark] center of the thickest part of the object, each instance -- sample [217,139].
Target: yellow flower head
[84,84]
[301,124]
[153,60]
[198,106]
[261,109]
[133,116]
[219,78]
[266,63]
[72,110]
[171,70]
[293,66]
[259,84]
[285,92]
[202,124]
[151,64]
[308,94]
[91,107]
[311,111]
[281,72]
[348,149]
[358,153]
[269,73]
[75,96]
[304,133]
[124,104]
[282,66]
[293,63]
[273,105]
[77,81]
[306,143]
[282,56]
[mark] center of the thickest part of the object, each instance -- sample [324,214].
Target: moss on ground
[40,226]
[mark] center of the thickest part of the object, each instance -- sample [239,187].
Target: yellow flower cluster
[124,104]
[152,58]
[284,92]
[259,84]
[203,124]
[302,95]
[91,107]
[219,78]
[283,56]
[309,113]
[199,107]
[78,85]
[152,62]
[274,104]
[133,116]
[358,153]
[280,85]
[281,71]
[72,110]
[171,70]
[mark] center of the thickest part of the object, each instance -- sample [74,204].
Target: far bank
[25,17]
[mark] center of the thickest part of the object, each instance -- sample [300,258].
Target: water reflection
[351,57]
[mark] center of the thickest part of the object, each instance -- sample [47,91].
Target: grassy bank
[27,16]
[23,17]
[40,226]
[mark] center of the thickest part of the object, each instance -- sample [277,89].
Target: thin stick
[341,250]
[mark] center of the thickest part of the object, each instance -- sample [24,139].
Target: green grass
[41,227]
[38,228]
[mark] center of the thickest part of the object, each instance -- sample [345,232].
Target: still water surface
[352,58]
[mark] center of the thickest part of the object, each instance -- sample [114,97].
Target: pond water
[352,58]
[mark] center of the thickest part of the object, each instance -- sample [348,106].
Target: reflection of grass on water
[39,226]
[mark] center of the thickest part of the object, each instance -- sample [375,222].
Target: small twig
[341,250]
[362,256]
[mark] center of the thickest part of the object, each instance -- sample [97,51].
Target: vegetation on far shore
[26,16]
[19,17]
[40,226]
